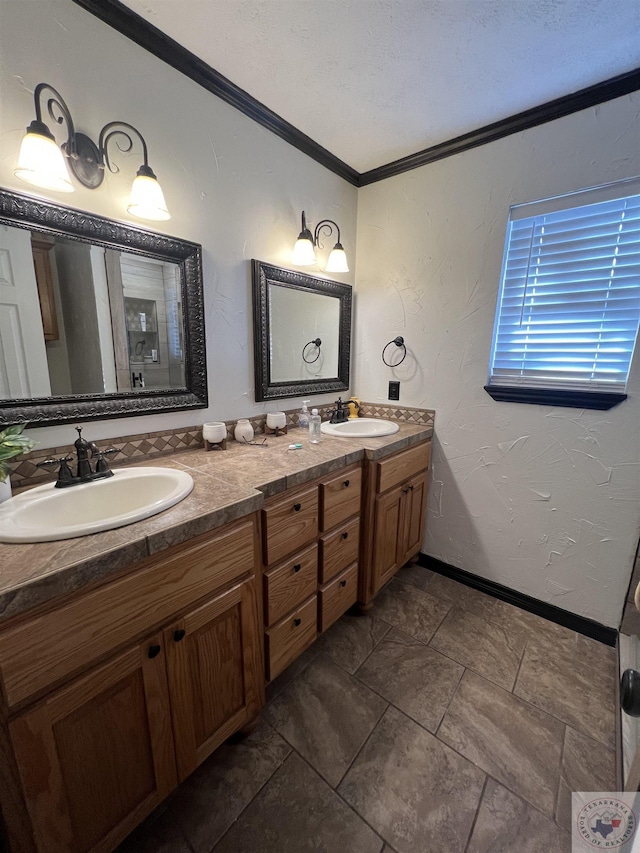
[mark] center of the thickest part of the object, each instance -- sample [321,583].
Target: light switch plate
[394,390]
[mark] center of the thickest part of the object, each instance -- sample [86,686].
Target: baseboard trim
[588,627]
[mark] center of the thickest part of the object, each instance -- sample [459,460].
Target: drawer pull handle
[343,583]
[154,651]
[297,567]
[346,484]
[296,622]
[179,635]
[297,507]
[345,535]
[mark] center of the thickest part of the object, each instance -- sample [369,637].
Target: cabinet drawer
[336,597]
[338,549]
[40,651]
[340,497]
[288,585]
[290,524]
[398,468]
[290,637]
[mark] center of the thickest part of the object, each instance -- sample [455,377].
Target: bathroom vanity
[123,669]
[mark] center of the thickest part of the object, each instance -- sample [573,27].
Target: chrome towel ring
[399,342]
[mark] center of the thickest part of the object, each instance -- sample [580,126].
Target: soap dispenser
[303,417]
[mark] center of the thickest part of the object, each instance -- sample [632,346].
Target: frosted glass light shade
[303,254]
[337,261]
[147,199]
[42,164]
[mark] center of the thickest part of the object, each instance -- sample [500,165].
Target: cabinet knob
[297,567]
[343,583]
[296,622]
[346,484]
[154,651]
[345,535]
[297,507]
[179,635]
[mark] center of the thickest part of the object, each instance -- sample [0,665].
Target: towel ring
[317,343]
[399,342]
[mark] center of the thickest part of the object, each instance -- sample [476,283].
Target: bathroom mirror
[97,319]
[302,333]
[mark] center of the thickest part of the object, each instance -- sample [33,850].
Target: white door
[23,358]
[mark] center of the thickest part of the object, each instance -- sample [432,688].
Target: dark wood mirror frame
[26,212]
[265,274]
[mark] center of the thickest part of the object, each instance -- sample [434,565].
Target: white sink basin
[45,513]
[360,428]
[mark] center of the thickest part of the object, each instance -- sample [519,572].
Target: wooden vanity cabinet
[96,756]
[310,544]
[394,507]
[167,674]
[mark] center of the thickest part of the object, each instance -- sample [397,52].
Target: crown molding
[615,87]
[136,28]
[139,30]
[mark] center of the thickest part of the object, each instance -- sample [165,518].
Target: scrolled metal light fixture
[304,250]
[42,163]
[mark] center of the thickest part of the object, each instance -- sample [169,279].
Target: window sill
[601,400]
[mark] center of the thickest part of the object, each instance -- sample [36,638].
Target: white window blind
[569,304]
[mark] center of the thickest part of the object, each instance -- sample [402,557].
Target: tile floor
[443,721]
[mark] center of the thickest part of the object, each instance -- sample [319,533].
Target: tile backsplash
[151,445]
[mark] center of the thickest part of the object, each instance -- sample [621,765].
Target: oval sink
[44,514]
[360,428]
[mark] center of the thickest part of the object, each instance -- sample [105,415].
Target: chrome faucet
[84,472]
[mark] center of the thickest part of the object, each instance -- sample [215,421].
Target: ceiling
[376,80]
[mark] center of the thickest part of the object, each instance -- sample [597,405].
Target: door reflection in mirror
[77,318]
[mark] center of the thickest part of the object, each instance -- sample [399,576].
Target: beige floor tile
[411,610]
[486,648]
[461,595]
[587,765]
[326,715]
[511,740]
[416,679]
[418,794]
[352,639]
[296,812]
[507,824]
[573,679]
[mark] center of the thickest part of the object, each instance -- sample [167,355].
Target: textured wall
[544,500]
[231,185]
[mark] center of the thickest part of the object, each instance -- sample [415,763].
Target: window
[569,303]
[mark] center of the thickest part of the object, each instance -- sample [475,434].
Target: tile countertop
[227,485]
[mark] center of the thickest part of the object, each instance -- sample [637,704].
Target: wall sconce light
[303,251]
[42,163]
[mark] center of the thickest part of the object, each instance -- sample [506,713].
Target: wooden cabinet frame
[394,503]
[85,757]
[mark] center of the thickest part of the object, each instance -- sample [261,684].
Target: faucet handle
[64,474]
[102,463]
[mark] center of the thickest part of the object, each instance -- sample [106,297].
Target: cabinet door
[415,495]
[387,536]
[97,755]
[215,669]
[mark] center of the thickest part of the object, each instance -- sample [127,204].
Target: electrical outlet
[394,390]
